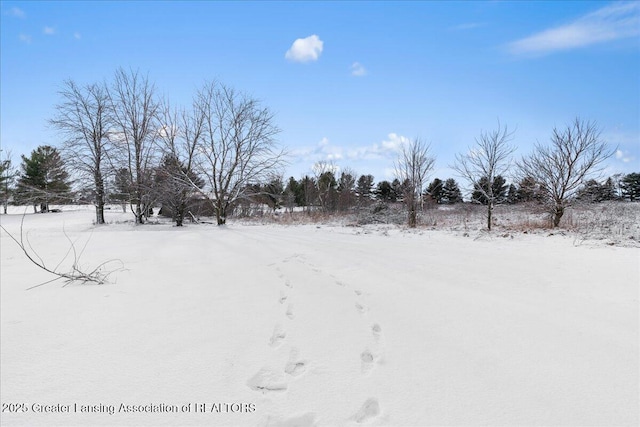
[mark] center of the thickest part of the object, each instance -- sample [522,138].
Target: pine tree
[44,179]
[451,192]
[364,188]
[434,190]
[173,187]
[630,186]
[528,190]
[7,175]
[385,192]
[512,194]
[498,190]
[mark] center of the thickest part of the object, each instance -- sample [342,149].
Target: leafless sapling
[412,168]
[487,160]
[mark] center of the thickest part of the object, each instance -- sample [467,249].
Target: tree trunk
[489,212]
[138,214]
[99,198]
[413,214]
[557,215]
[179,215]
[221,212]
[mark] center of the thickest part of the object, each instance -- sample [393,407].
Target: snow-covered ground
[317,325]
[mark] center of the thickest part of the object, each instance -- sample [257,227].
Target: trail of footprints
[267,381]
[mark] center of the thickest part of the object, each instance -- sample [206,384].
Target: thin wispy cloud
[358,70]
[16,12]
[49,31]
[77,36]
[613,22]
[305,50]
[25,38]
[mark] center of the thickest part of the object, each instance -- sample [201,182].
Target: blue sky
[347,81]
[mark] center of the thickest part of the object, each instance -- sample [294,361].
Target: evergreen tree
[327,191]
[451,192]
[528,190]
[498,187]
[594,192]
[173,187]
[609,189]
[44,179]
[385,192]
[272,193]
[122,188]
[434,190]
[512,194]
[296,190]
[630,186]
[364,188]
[7,175]
[346,191]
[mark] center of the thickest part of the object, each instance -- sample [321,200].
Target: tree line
[122,143]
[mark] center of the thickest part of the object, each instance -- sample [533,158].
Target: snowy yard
[317,325]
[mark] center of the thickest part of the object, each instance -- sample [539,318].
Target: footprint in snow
[369,410]
[289,313]
[361,308]
[283,298]
[278,335]
[367,359]
[376,330]
[295,366]
[266,381]
[287,283]
[358,292]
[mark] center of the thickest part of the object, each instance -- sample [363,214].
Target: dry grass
[609,222]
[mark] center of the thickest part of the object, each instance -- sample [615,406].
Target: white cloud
[387,148]
[49,31]
[357,69]
[16,12]
[624,156]
[25,38]
[305,50]
[617,21]
[324,150]
[77,36]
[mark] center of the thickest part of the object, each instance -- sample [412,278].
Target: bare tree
[575,154]
[486,162]
[179,136]
[8,174]
[325,180]
[135,116]
[412,167]
[83,120]
[237,147]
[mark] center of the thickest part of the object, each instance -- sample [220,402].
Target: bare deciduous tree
[575,154]
[238,146]
[7,175]
[488,159]
[135,116]
[83,120]
[412,167]
[179,136]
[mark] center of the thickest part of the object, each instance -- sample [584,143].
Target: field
[283,323]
